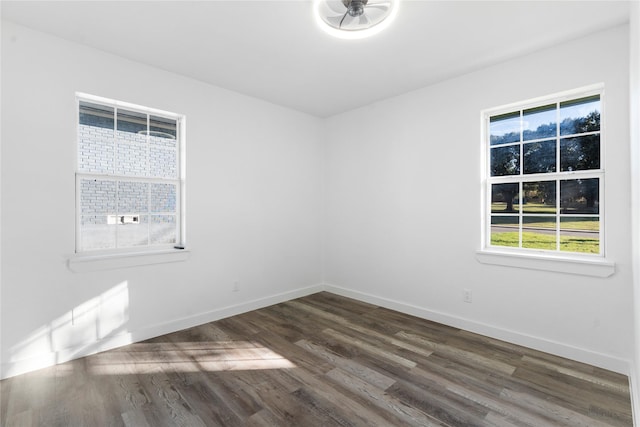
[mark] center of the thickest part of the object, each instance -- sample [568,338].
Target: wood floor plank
[559,414]
[468,390]
[454,353]
[344,407]
[170,406]
[15,400]
[320,360]
[335,302]
[406,415]
[264,418]
[437,404]
[543,385]
[135,418]
[404,322]
[617,385]
[364,331]
[211,402]
[371,348]
[362,372]
[20,419]
[297,356]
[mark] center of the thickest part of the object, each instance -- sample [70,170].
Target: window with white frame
[129,177]
[545,176]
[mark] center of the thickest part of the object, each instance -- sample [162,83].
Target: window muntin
[545,177]
[128,180]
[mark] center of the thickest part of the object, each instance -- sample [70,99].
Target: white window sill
[581,266]
[88,262]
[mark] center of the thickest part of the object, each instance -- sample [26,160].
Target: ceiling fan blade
[335,21]
[346,14]
[364,20]
[336,6]
[386,3]
[382,7]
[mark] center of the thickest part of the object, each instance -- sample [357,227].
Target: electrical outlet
[466,295]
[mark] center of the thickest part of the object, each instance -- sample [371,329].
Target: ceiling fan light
[354,19]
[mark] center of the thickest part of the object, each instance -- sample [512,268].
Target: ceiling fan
[353,17]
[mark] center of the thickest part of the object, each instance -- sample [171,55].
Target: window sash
[152,116]
[148,211]
[520,215]
[516,111]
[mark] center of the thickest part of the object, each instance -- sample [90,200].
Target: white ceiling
[275,51]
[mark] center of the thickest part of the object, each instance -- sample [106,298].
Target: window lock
[123,219]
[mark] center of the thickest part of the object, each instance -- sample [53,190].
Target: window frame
[82,255]
[519,256]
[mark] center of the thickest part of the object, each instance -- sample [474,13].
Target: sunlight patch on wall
[77,332]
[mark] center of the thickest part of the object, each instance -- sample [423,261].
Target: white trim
[17,367]
[566,95]
[635,395]
[537,260]
[87,261]
[634,137]
[182,169]
[126,105]
[601,360]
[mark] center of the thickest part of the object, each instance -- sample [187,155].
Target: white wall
[403,187]
[253,203]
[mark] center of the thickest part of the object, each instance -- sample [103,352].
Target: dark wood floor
[322,360]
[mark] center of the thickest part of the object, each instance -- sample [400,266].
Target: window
[129,179]
[545,177]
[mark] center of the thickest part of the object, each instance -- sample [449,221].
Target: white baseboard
[601,360]
[17,367]
[635,394]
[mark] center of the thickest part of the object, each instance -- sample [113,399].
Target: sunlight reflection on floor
[187,357]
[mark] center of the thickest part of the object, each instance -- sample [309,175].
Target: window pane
[163,131]
[133,198]
[505,128]
[163,162]
[580,153]
[539,197]
[505,160]
[580,115]
[97,196]
[539,157]
[163,198]
[95,138]
[134,233]
[544,224]
[505,231]
[505,197]
[96,115]
[580,234]
[96,232]
[132,125]
[97,205]
[579,196]
[539,232]
[163,229]
[539,122]
[132,158]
